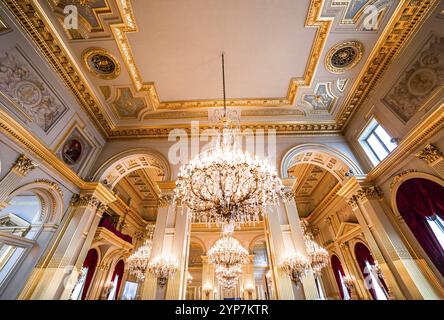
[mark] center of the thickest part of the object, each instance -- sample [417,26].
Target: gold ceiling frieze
[31,19]
[408,16]
[284,128]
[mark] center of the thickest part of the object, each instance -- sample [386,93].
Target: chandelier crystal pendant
[225,183]
[162,268]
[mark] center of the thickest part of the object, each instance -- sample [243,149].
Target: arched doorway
[339,274]
[372,276]
[420,202]
[89,268]
[116,280]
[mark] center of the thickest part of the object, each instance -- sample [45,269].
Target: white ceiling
[179,45]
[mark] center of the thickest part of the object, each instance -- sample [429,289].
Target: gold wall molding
[408,16]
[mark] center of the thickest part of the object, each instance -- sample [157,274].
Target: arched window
[339,276]
[421,203]
[116,280]
[372,276]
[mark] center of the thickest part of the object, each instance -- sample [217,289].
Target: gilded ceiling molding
[58,6]
[407,18]
[32,21]
[129,25]
[281,129]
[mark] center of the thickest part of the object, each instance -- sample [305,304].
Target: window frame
[370,130]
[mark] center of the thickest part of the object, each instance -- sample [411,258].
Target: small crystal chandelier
[227,251]
[317,255]
[296,266]
[228,277]
[225,183]
[162,268]
[137,262]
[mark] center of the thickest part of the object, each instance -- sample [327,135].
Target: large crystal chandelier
[225,183]
[162,268]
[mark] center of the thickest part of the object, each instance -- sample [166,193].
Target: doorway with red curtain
[338,271]
[365,259]
[118,272]
[91,263]
[419,200]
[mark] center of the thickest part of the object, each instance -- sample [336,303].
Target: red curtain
[337,268]
[118,270]
[417,199]
[363,254]
[91,263]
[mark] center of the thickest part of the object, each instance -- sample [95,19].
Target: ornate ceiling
[312,186]
[140,68]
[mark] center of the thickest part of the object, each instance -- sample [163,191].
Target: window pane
[377,147]
[437,230]
[385,137]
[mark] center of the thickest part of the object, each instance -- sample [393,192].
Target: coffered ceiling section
[150,65]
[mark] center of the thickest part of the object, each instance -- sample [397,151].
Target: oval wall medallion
[101,63]
[344,56]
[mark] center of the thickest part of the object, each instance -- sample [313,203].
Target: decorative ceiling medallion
[101,63]
[344,56]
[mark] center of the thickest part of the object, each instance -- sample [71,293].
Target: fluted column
[283,288]
[60,273]
[433,157]
[401,270]
[308,282]
[11,181]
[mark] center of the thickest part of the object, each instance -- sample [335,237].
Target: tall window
[377,143]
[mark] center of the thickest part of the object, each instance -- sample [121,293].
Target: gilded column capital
[369,193]
[165,200]
[430,154]
[87,200]
[101,208]
[353,202]
[23,165]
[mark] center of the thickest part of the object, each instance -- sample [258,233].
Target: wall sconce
[207,290]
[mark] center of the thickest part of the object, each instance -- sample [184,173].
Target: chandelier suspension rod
[223,84]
